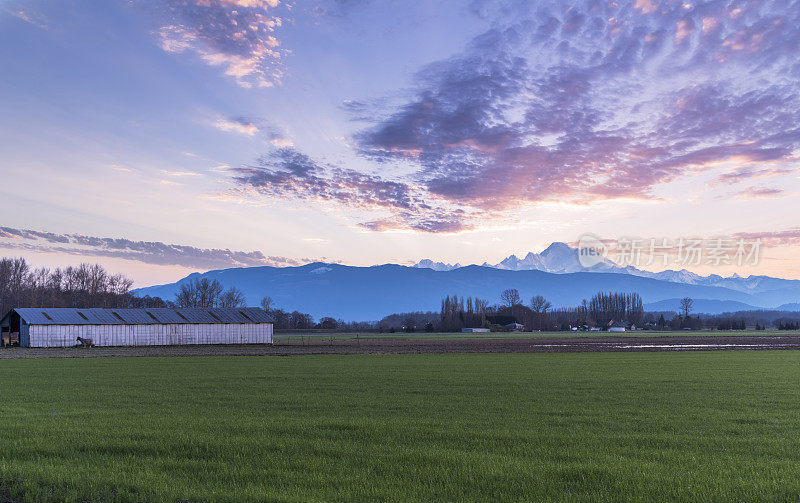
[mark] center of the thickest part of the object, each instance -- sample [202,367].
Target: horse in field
[87,343]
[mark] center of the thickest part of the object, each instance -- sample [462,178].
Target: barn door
[24,336]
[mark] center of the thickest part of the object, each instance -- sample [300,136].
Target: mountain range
[560,258]
[369,293]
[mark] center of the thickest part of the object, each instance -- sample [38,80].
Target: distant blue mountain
[369,293]
[707,306]
[562,258]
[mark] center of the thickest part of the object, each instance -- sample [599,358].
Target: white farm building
[61,327]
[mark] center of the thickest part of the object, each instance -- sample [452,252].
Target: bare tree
[208,293]
[539,304]
[300,320]
[455,315]
[328,323]
[83,286]
[266,303]
[605,308]
[199,293]
[510,297]
[686,306]
[232,297]
[187,295]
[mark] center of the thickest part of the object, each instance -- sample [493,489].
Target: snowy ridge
[560,258]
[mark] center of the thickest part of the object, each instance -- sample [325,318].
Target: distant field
[352,336]
[590,426]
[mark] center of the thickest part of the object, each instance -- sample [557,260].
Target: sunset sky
[164,137]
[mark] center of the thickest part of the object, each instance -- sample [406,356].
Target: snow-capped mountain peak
[560,258]
[556,258]
[436,266]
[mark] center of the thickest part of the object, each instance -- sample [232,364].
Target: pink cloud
[237,35]
[760,193]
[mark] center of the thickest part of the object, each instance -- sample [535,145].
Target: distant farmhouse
[61,327]
[616,327]
[475,330]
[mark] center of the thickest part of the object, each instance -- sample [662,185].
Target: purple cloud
[289,174]
[773,238]
[286,172]
[237,35]
[597,101]
[749,173]
[149,252]
[760,193]
[571,102]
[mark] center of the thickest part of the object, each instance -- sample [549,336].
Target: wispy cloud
[254,126]
[180,174]
[241,125]
[238,35]
[287,173]
[760,193]
[26,13]
[750,173]
[149,252]
[774,238]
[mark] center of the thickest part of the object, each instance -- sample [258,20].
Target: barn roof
[155,316]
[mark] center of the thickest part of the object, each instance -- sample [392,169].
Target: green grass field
[590,426]
[281,337]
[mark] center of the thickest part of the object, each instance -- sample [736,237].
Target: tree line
[84,286]
[90,285]
[602,310]
[205,293]
[457,313]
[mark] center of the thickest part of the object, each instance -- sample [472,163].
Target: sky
[160,138]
